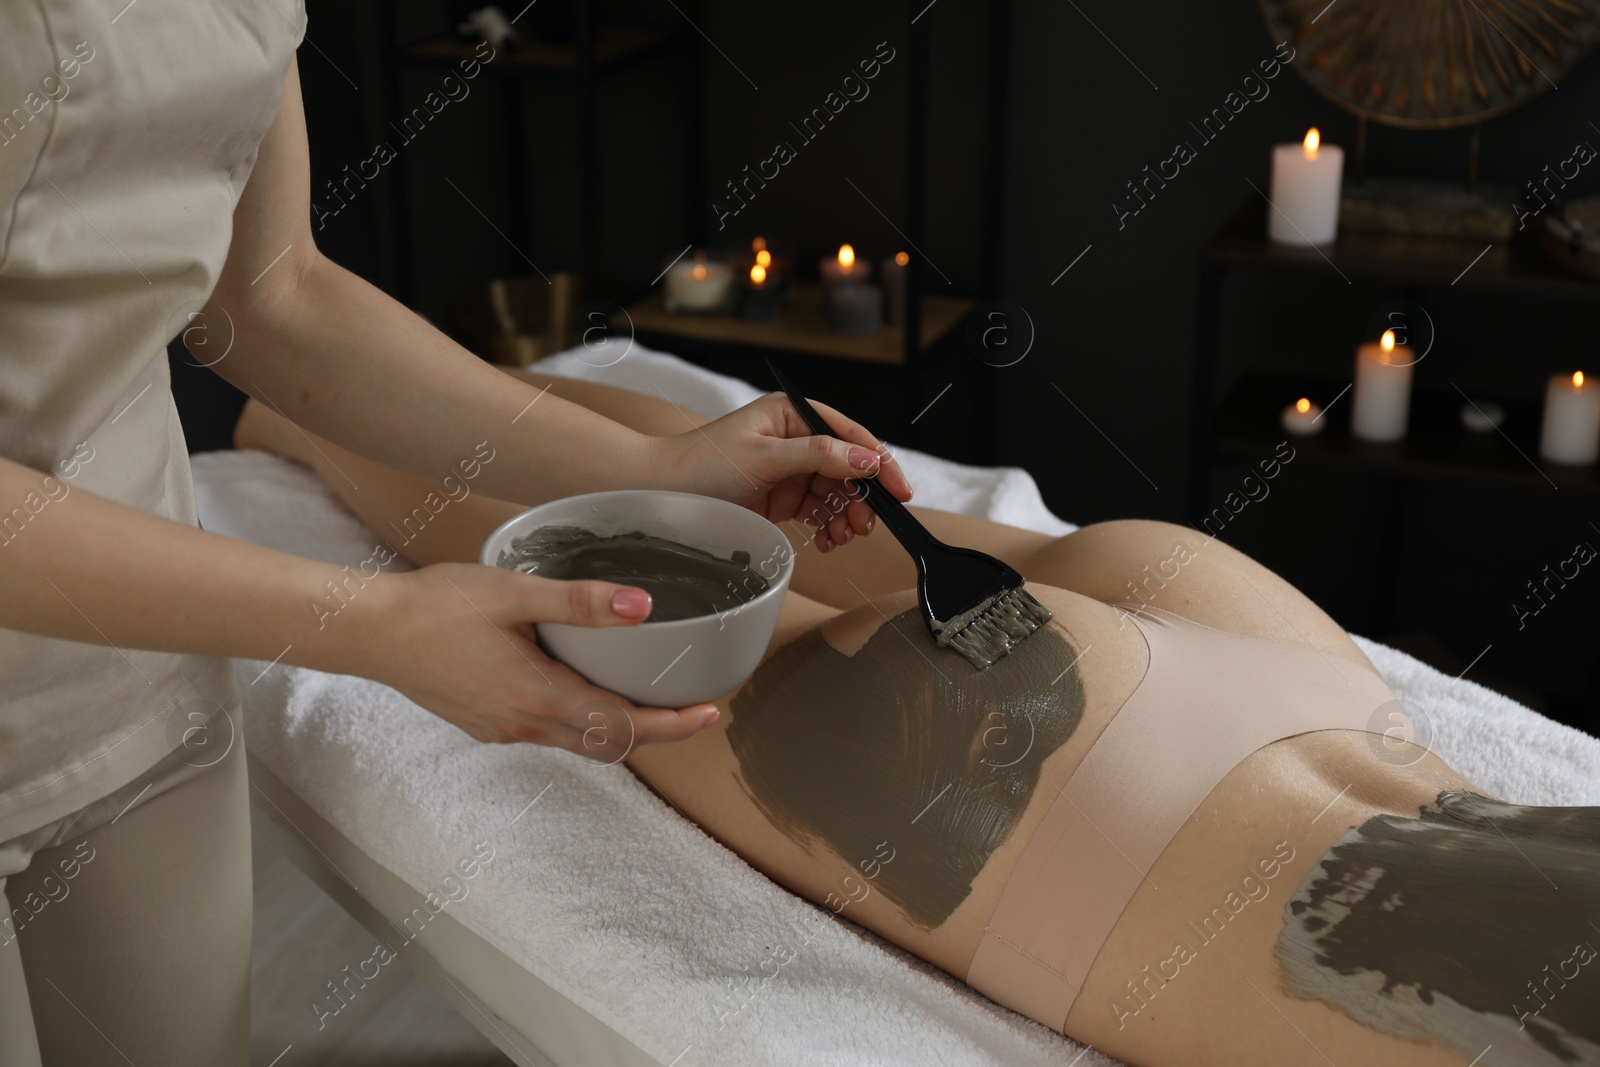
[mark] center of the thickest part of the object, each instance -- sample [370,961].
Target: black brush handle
[904,525]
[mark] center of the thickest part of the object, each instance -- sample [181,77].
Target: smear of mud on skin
[850,750]
[1475,924]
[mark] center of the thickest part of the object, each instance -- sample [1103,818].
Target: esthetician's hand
[457,639]
[766,458]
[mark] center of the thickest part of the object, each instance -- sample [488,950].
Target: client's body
[882,777]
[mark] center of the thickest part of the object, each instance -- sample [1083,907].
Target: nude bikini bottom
[1208,699]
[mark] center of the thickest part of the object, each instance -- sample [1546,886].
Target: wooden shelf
[613,46]
[1436,449]
[802,326]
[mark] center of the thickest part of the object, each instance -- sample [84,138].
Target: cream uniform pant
[126,936]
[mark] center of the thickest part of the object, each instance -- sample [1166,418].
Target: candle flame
[1577,379]
[1302,405]
[1387,343]
[758,274]
[1313,140]
[764,258]
[847,257]
[902,258]
[698,272]
[758,245]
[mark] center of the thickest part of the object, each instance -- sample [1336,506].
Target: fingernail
[872,520]
[849,535]
[631,603]
[863,459]
[711,718]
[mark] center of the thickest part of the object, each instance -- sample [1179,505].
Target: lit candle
[843,269]
[1571,432]
[698,284]
[762,255]
[759,294]
[892,274]
[1302,418]
[1305,191]
[1383,390]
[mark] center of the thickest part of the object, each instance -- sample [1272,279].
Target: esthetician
[153,176]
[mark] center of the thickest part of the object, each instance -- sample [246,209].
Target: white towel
[609,896]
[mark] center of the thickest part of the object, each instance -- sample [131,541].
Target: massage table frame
[445,953]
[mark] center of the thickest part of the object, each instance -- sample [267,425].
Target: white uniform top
[126,138]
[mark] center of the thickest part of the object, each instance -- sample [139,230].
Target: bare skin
[1229,1005]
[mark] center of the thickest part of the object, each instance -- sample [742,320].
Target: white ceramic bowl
[685,661]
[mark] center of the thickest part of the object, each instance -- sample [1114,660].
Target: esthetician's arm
[452,637]
[340,358]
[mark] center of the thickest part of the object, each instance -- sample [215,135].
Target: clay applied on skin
[683,582]
[1475,924]
[904,743]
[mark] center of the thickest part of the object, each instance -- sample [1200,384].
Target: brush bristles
[992,629]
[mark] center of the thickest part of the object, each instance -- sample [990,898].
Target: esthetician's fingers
[837,510]
[591,710]
[458,639]
[855,518]
[793,500]
[855,439]
[863,520]
[612,727]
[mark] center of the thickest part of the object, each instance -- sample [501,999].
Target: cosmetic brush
[971,602]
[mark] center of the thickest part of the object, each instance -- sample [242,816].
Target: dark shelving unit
[1500,467]
[802,334]
[1412,266]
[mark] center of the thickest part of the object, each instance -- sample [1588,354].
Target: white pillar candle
[892,275]
[1571,432]
[698,284]
[1302,418]
[1383,390]
[1305,192]
[844,269]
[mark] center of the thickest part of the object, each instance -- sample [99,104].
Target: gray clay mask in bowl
[716,572]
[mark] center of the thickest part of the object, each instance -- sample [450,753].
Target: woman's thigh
[143,954]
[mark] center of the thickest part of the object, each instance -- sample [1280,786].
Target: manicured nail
[872,520]
[630,603]
[711,718]
[849,535]
[863,459]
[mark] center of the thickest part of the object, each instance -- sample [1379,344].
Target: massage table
[574,917]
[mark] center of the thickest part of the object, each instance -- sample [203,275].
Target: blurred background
[1148,333]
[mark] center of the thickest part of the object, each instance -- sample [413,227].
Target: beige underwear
[1208,699]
